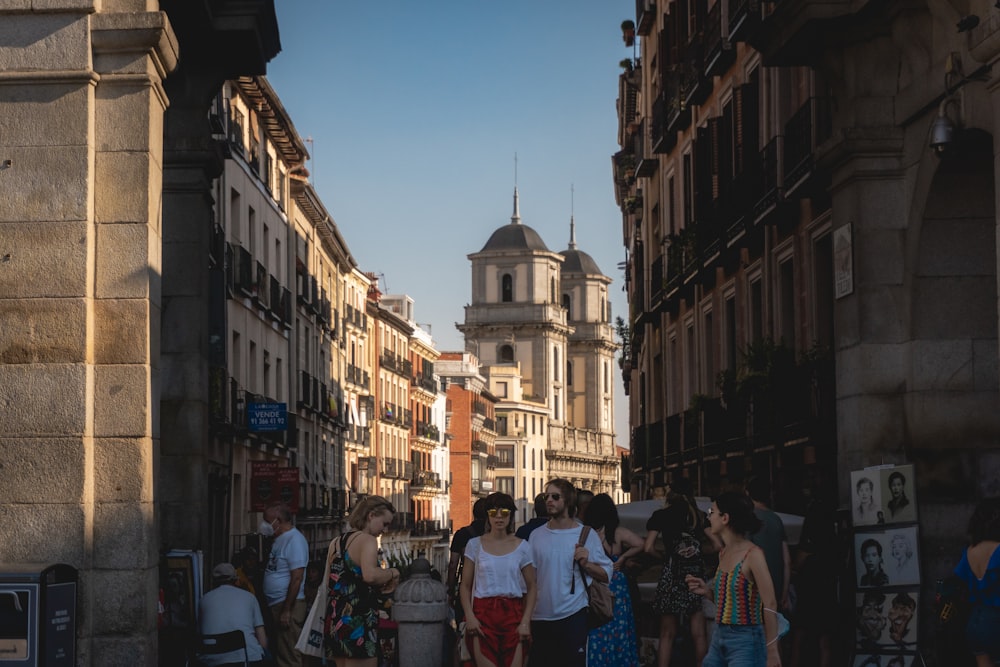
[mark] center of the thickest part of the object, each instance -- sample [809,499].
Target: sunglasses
[502,512]
[553,496]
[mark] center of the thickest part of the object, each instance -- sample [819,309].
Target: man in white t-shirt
[559,622]
[284,582]
[228,608]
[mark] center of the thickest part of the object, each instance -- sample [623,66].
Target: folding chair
[221,643]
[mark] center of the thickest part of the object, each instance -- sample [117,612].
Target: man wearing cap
[228,608]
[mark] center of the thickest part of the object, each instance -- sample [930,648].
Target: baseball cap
[224,571]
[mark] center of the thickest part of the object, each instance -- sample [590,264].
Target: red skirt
[498,620]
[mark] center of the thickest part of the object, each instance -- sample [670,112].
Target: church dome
[515,236]
[577,261]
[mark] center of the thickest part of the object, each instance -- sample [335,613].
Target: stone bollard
[420,606]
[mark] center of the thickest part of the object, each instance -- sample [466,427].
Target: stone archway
[953,380]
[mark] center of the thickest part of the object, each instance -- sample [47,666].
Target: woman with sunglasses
[498,589]
[744,635]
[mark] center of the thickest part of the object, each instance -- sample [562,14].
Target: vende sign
[267,416]
[271,484]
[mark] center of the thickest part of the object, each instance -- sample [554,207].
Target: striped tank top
[737,599]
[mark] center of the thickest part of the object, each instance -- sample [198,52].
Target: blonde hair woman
[355,581]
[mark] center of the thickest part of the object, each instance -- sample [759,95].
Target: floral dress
[614,643]
[352,610]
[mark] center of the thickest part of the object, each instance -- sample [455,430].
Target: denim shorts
[737,646]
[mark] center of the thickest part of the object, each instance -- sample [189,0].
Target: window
[502,389]
[505,485]
[709,366]
[566,305]
[502,425]
[756,310]
[569,373]
[235,213]
[730,324]
[688,190]
[507,288]
[505,456]
[552,290]
[555,363]
[506,354]
[786,292]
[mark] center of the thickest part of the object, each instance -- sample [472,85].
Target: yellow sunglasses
[502,511]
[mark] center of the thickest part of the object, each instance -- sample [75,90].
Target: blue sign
[267,416]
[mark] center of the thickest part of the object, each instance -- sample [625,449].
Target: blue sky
[415,111]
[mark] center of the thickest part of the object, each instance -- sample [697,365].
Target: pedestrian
[559,622]
[744,636]
[771,538]
[540,518]
[679,526]
[227,608]
[498,589]
[456,561]
[583,498]
[979,569]
[614,644]
[284,582]
[355,581]
[815,579]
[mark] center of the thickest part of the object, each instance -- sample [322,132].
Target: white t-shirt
[498,576]
[289,552]
[228,608]
[556,571]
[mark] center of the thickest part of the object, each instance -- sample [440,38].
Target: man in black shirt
[541,518]
[462,537]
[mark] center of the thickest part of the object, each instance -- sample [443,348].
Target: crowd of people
[726,579]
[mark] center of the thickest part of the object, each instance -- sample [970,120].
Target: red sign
[270,484]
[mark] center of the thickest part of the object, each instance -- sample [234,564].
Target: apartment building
[808,209]
[470,431]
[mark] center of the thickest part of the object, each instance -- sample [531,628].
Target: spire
[572,224]
[516,218]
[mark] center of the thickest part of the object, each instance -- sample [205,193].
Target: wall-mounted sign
[271,484]
[267,416]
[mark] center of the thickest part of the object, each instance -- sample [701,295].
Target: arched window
[507,288]
[569,373]
[506,354]
[566,304]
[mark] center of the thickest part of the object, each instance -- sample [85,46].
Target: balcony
[275,299]
[661,140]
[427,528]
[719,53]
[645,164]
[645,12]
[425,479]
[491,462]
[678,113]
[244,276]
[656,283]
[425,382]
[805,131]
[788,34]
[744,19]
[402,522]
[479,446]
[770,179]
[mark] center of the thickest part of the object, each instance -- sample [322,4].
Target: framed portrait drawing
[866,497]
[898,494]
[886,621]
[901,561]
[870,551]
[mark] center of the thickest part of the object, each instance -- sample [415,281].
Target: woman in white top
[498,589]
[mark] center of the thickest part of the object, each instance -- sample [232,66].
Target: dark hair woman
[498,589]
[743,591]
[355,582]
[614,644]
[980,570]
[678,525]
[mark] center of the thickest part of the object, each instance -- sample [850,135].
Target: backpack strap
[581,541]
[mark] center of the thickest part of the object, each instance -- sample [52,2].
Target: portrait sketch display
[866,497]
[886,621]
[898,494]
[886,558]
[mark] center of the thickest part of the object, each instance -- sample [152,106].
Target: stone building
[547,316]
[808,196]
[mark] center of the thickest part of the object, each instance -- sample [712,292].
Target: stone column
[81,108]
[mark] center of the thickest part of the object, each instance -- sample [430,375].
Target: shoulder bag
[311,638]
[601,601]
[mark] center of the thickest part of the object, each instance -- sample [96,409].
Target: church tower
[539,321]
[591,346]
[515,316]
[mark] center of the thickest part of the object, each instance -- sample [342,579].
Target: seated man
[228,608]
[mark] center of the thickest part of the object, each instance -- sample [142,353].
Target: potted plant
[628,32]
[626,64]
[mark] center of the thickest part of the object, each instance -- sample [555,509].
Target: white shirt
[557,573]
[498,576]
[290,551]
[229,608]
